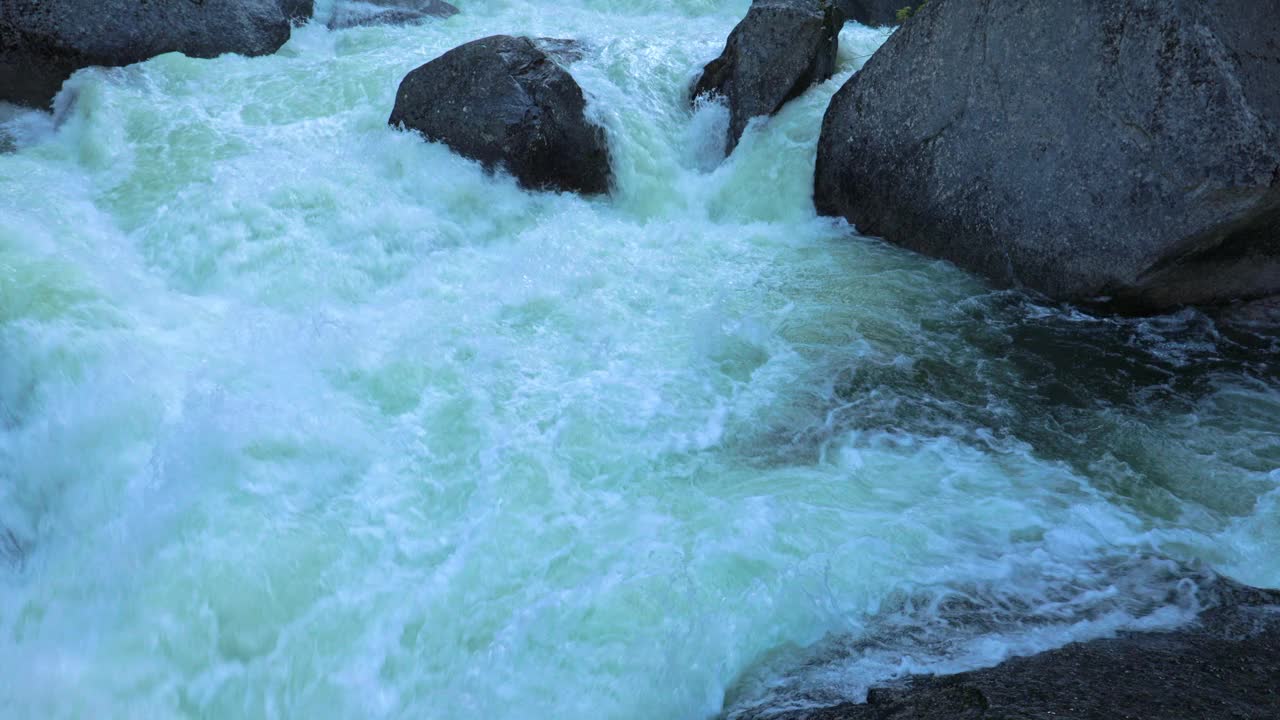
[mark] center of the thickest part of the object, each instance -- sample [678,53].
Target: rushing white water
[303,417]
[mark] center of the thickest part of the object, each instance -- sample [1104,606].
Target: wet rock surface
[507,103]
[43,42]
[298,11]
[777,52]
[1225,666]
[1125,151]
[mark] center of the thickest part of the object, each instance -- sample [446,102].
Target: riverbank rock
[505,102]
[1226,667]
[1122,151]
[875,12]
[778,50]
[388,12]
[42,42]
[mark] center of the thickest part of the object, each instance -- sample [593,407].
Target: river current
[302,417]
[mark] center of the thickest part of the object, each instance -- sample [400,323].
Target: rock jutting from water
[1226,666]
[778,51]
[388,12]
[43,42]
[1126,152]
[506,103]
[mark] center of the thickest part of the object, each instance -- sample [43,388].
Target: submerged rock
[1125,151]
[505,102]
[875,12]
[1225,667]
[42,42]
[388,12]
[778,50]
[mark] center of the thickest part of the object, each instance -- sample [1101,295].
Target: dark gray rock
[875,12]
[298,11]
[503,101]
[388,12]
[42,42]
[772,56]
[1226,667]
[1117,150]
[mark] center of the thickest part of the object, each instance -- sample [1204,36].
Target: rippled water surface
[303,417]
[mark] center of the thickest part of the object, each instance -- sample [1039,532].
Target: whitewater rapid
[301,416]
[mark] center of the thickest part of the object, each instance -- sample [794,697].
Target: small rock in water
[388,12]
[505,102]
[778,50]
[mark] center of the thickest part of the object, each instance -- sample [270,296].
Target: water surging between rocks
[300,416]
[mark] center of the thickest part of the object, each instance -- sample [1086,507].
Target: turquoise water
[303,417]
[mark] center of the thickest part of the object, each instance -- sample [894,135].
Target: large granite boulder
[388,12]
[1126,151]
[776,52]
[505,102]
[43,41]
[875,12]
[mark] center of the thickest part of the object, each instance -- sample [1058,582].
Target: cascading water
[301,416]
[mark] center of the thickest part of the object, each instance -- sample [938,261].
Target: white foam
[303,416]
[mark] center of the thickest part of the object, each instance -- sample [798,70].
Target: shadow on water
[1154,412]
